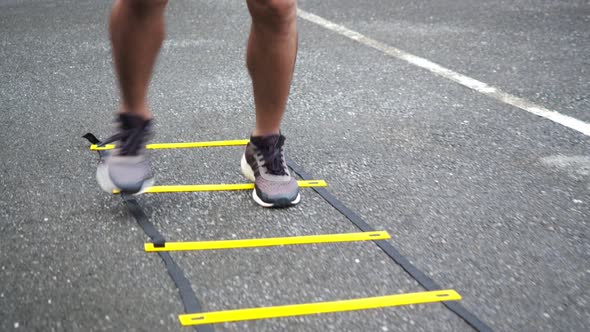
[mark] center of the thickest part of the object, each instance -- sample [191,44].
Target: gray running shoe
[127,168]
[264,163]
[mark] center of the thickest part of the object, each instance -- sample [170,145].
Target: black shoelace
[131,139]
[273,157]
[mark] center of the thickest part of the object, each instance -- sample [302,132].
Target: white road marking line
[481,87]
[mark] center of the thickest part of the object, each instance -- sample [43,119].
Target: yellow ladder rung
[318,308]
[220,187]
[184,145]
[268,242]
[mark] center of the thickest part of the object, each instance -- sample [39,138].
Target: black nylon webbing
[143,221]
[393,253]
[187,295]
[190,301]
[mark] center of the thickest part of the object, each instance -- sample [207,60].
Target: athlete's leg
[270,57]
[137,32]
[272,48]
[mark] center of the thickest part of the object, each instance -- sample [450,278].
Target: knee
[277,13]
[143,7]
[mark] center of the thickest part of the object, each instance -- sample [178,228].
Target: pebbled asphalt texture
[484,198]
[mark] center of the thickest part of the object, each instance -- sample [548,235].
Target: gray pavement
[485,198]
[534,49]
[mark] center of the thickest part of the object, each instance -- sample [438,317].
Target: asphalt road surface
[484,197]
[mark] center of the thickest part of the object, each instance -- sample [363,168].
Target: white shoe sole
[103,178]
[247,169]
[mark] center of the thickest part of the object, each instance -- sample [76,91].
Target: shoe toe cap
[277,192]
[129,178]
